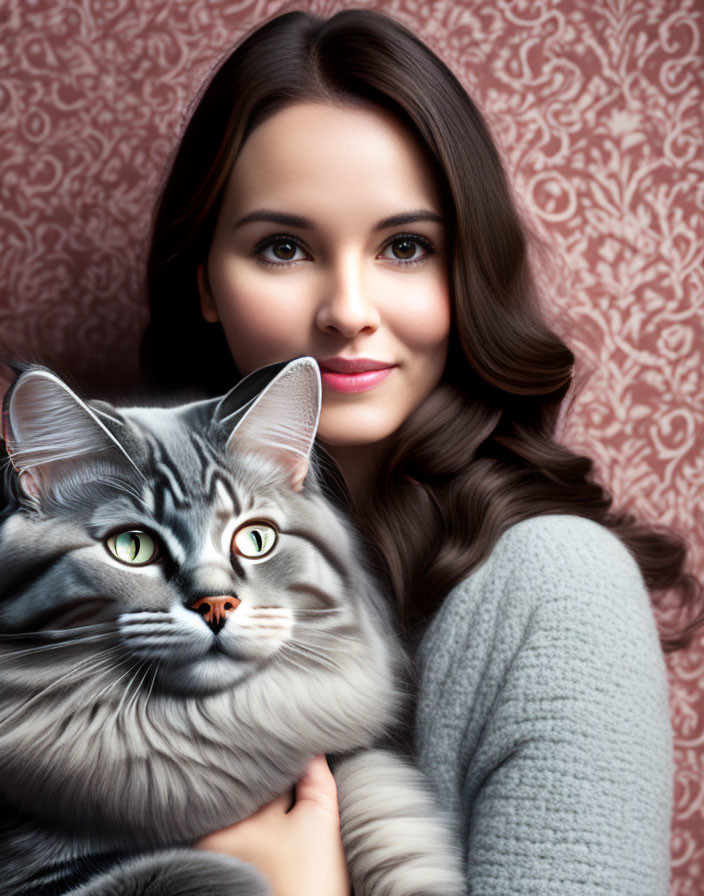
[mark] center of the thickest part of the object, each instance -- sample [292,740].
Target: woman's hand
[300,851]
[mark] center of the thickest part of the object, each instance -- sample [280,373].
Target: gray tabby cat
[185,620]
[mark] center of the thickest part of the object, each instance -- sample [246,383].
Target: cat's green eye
[133,547]
[254,540]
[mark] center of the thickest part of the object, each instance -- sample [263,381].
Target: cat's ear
[282,420]
[46,426]
[231,408]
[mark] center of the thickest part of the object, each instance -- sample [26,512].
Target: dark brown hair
[480,453]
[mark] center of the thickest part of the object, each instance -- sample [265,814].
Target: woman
[337,194]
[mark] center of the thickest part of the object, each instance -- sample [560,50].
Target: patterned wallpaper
[598,108]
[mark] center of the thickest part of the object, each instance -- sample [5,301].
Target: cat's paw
[396,840]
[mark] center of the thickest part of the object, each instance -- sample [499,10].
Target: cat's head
[194,539]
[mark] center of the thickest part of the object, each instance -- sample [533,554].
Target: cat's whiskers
[155,671]
[90,664]
[50,633]
[307,653]
[293,661]
[107,670]
[281,625]
[84,639]
[118,712]
[138,690]
[282,612]
[114,683]
[317,611]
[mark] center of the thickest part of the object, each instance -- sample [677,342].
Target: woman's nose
[347,303]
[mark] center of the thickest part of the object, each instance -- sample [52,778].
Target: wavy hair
[480,453]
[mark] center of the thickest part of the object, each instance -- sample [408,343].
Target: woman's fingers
[279,806]
[317,787]
[238,837]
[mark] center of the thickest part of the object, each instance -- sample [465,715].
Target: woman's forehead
[315,154]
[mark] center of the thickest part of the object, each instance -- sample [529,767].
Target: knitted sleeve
[543,717]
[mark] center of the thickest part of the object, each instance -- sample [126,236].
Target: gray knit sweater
[543,717]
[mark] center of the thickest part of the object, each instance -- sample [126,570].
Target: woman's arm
[543,717]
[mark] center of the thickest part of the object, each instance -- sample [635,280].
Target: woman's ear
[207,303]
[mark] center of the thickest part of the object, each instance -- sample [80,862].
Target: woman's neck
[358,465]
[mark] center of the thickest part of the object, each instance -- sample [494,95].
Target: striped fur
[128,727]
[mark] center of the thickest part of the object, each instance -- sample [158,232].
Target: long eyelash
[277,238]
[422,241]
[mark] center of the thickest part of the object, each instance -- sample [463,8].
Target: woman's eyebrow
[274,217]
[286,220]
[421,214]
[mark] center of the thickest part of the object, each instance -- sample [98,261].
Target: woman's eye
[280,249]
[406,248]
[254,540]
[133,547]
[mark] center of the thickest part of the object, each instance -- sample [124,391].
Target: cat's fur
[129,727]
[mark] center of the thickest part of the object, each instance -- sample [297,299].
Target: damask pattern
[598,110]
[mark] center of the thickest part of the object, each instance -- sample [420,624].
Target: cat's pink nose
[215,610]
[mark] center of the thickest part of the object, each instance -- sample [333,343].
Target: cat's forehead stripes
[215,474]
[183,470]
[166,483]
[218,488]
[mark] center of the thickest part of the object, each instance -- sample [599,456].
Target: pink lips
[353,374]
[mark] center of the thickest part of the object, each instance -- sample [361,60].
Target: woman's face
[330,242]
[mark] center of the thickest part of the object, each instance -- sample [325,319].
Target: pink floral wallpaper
[598,108]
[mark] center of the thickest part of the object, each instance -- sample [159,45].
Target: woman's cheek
[425,319]
[260,317]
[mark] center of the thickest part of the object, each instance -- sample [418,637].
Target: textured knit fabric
[543,717]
